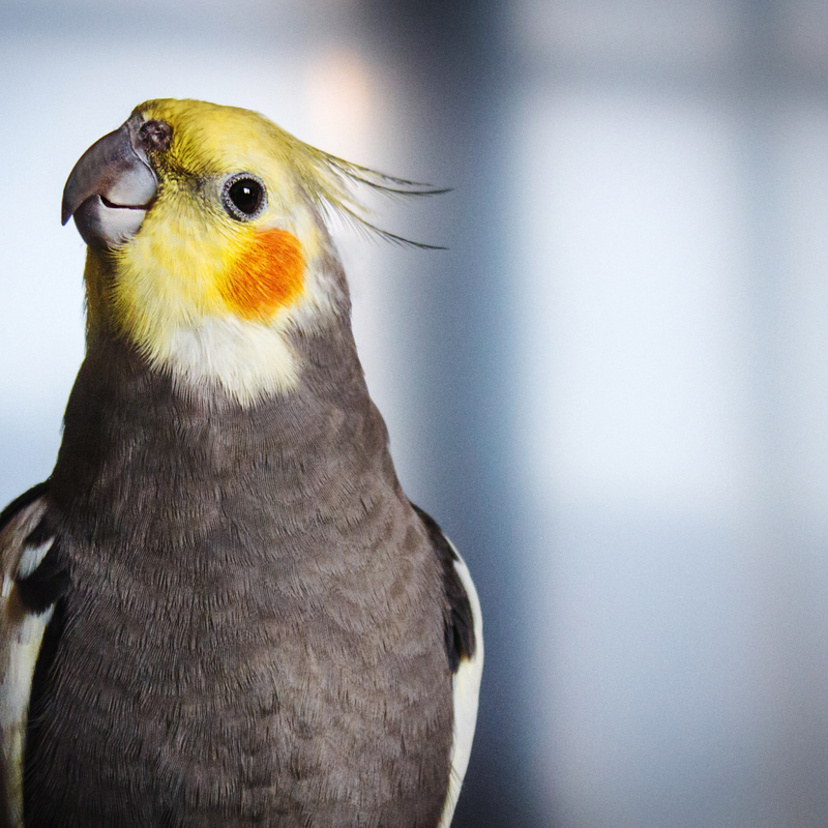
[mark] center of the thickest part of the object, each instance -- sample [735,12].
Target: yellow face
[207,245]
[199,255]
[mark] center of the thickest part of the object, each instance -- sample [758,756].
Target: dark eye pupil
[246,194]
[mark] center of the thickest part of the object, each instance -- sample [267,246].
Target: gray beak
[113,184]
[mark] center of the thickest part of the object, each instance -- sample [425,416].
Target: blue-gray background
[612,390]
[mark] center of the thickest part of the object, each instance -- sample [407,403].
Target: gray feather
[254,633]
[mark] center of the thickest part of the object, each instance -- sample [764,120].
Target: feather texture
[21,631]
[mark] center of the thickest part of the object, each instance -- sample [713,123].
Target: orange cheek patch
[267,276]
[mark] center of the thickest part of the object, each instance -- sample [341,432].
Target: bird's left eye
[243,196]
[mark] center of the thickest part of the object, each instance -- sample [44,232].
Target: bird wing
[25,610]
[464,647]
[465,692]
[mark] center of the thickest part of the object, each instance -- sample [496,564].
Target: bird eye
[243,196]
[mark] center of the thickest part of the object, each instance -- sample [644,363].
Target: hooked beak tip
[114,172]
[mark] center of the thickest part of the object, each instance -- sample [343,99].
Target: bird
[221,609]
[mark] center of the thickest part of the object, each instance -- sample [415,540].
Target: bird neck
[181,328]
[129,426]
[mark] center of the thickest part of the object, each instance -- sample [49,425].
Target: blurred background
[611,390]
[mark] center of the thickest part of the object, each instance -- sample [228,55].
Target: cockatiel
[221,609]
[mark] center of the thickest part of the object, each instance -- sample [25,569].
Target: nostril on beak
[155,135]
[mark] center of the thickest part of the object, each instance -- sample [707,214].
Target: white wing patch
[21,633]
[465,692]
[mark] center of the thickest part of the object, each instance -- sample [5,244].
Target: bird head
[207,243]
